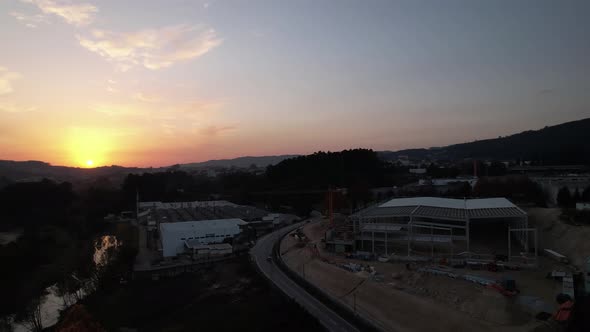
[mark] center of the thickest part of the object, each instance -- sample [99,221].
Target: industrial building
[177,237]
[422,225]
[185,227]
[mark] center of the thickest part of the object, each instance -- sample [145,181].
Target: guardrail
[341,309]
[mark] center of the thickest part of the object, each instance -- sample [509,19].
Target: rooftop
[184,225]
[444,208]
[452,203]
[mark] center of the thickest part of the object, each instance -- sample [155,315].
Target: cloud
[198,107]
[216,130]
[146,98]
[6,79]
[117,110]
[151,48]
[78,14]
[30,21]
[12,108]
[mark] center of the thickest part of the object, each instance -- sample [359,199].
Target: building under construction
[428,225]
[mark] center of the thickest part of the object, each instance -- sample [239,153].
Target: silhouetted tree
[577,196]
[564,197]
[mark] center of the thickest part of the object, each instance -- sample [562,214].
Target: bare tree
[6,324]
[32,316]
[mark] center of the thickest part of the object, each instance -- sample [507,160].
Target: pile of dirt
[569,240]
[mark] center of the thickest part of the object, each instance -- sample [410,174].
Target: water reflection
[104,249]
[56,300]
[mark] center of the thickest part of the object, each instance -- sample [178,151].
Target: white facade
[174,235]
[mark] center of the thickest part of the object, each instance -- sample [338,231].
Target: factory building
[422,225]
[178,237]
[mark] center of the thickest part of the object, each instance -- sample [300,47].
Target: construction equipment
[564,312]
[506,287]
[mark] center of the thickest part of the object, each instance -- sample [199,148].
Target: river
[53,303]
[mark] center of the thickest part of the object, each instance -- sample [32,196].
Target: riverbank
[226,296]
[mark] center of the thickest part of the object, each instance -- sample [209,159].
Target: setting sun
[89,163]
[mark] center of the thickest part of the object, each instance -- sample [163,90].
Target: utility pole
[303,268]
[331,206]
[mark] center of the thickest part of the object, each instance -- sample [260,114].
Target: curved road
[263,249]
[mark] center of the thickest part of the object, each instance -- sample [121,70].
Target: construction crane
[330,192]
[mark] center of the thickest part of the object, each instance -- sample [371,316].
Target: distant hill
[32,170]
[241,162]
[37,170]
[566,143]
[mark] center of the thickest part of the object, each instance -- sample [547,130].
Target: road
[263,249]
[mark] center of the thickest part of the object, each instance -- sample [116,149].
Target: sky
[158,82]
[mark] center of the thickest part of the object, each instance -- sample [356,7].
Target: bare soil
[412,301]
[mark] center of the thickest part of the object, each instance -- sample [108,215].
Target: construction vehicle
[506,287]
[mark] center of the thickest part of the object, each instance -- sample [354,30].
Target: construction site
[425,263]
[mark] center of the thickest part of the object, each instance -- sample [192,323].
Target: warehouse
[176,235]
[422,224]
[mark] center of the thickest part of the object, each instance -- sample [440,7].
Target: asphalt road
[263,248]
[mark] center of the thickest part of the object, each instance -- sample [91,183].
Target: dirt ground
[569,240]
[412,301]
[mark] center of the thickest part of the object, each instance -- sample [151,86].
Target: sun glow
[89,147]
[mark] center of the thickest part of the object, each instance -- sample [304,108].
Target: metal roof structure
[444,208]
[206,224]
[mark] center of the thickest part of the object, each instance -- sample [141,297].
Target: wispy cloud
[116,109]
[146,98]
[152,48]
[12,108]
[6,79]
[216,130]
[199,107]
[30,21]
[78,14]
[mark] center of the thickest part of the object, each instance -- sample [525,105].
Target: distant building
[178,237]
[552,184]
[418,170]
[583,206]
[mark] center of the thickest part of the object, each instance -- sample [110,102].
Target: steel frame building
[432,221]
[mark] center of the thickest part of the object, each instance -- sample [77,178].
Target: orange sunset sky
[155,83]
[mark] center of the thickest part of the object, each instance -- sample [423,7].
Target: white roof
[452,203]
[184,225]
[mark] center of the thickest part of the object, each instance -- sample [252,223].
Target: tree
[564,197]
[577,196]
[32,316]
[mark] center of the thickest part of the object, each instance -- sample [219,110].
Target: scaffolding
[433,222]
